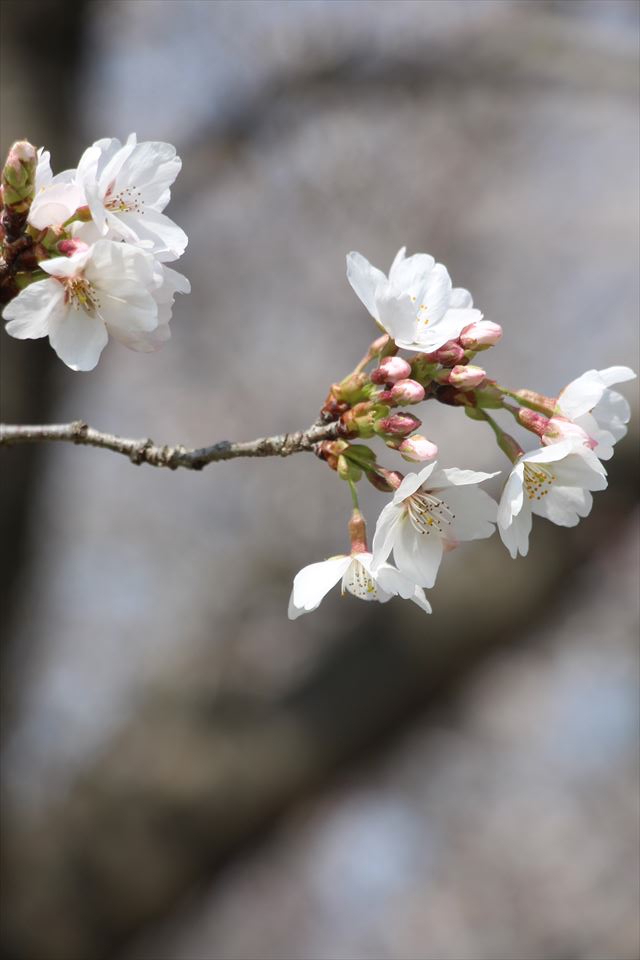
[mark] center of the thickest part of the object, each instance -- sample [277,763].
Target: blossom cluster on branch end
[94,244]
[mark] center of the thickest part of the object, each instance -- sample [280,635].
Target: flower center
[359,583]
[81,295]
[128,200]
[538,480]
[428,514]
[421,315]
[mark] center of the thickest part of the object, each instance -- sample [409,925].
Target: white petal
[581,469]
[564,506]
[613,413]
[29,314]
[364,279]
[581,395]
[150,168]
[411,274]
[313,583]
[395,583]
[461,299]
[452,476]
[64,267]
[55,204]
[550,454]
[611,375]
[384,536]
[515,534]
[418,557]
[512,499]
[420,599]
[44,176]
[78,339]
[410,484]
[435,294]
[120,268]
[475,513]
[426,473]
[397,313]
[139,312]
[168,239]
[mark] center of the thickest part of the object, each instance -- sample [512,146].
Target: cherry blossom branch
[146,451]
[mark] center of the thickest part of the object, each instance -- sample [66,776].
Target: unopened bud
[391,370]
[397,425]
[449,354]
[538,400]
[558,428]
[480,335]
[19,177]
[68,247]
[467,377]
[407,391]
[417,449]
[536,422]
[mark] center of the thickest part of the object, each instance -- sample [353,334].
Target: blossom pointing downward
[313,583]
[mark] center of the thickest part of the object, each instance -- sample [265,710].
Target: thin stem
[146,451]
[354,494]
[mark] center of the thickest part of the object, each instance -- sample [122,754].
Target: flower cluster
[432,511]
[95,247]
[85,254]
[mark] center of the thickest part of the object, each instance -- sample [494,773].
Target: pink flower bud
[466,378]
[418,449]
[479,336]
[391,370]
[407,391]
[560,429]
[448,354]
[69,247]
[398,424]
[536,422]
[539,401]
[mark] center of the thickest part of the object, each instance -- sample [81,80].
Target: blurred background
[186,774]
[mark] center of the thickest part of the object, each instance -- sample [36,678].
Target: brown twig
[146,451]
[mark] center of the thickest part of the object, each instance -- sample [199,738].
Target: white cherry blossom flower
[416,305]
[432,511]
[108,289]
[313,583]
[553,482]
[127,188]
[602,413]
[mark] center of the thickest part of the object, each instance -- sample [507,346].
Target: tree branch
[146,451]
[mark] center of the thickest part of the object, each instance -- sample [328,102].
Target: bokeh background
[186,774]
